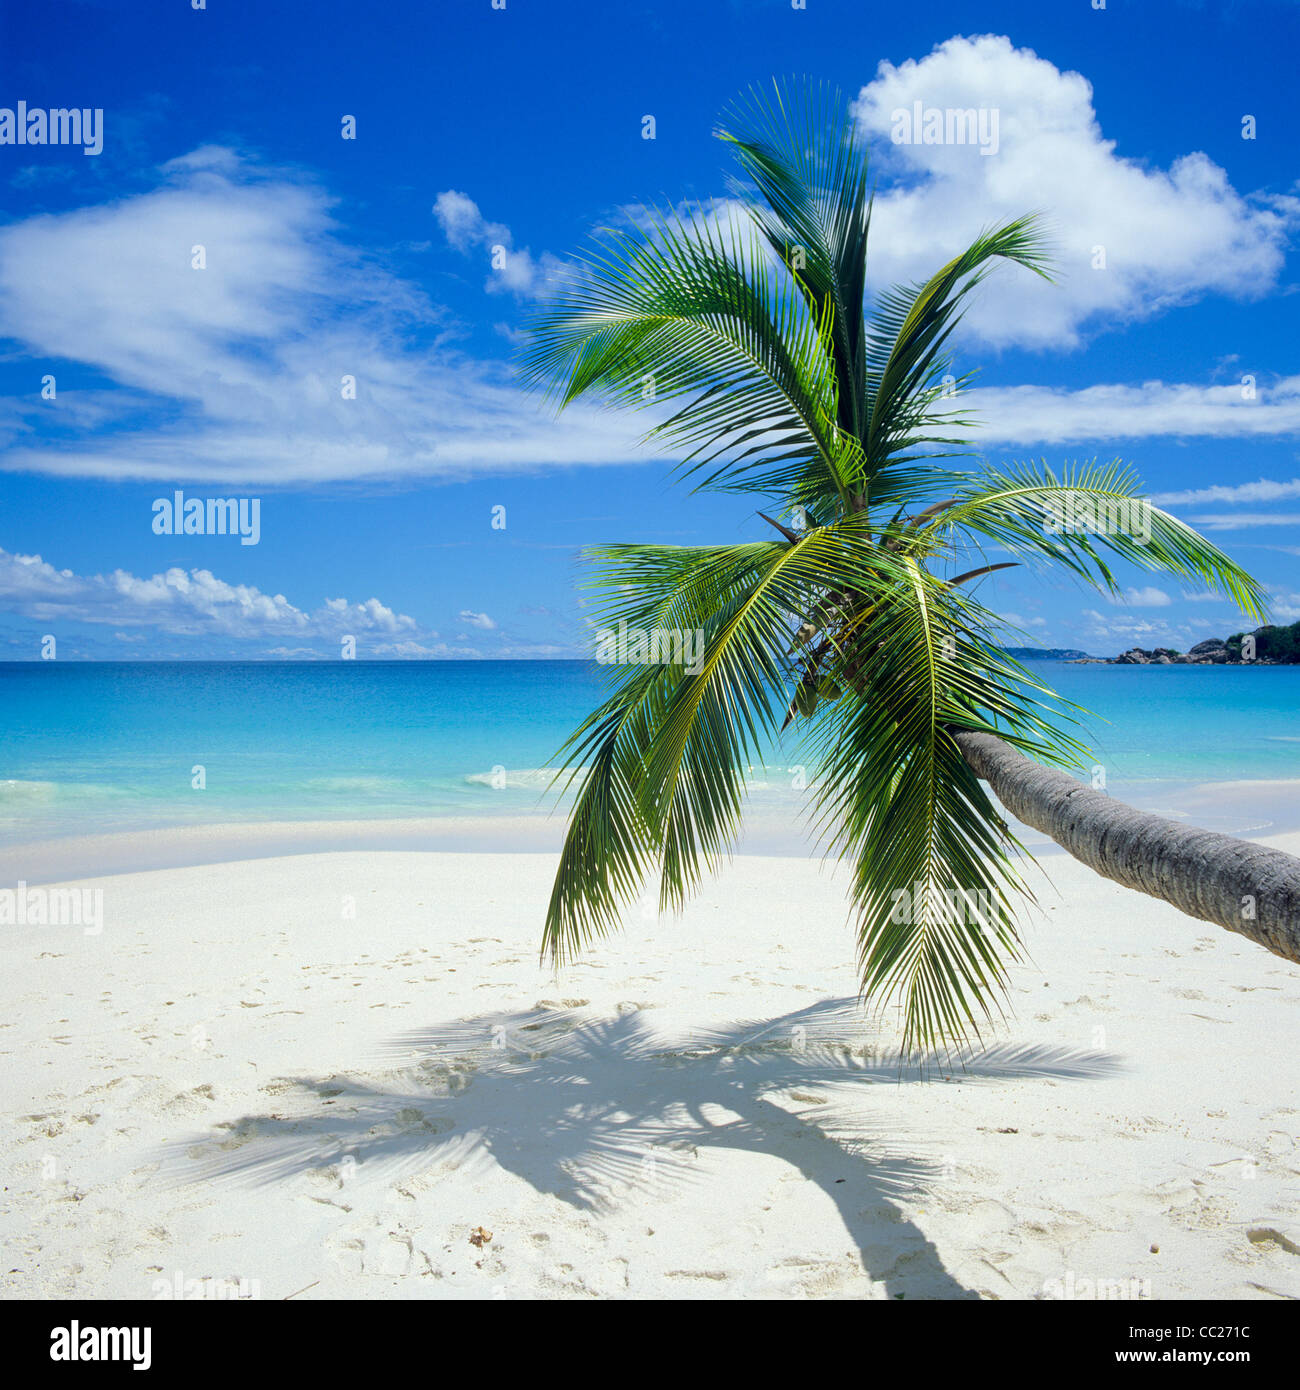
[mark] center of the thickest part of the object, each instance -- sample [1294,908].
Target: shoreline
[1258,809]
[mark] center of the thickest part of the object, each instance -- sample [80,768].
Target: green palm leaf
[1029,510]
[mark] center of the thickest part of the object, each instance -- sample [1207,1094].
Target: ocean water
[95,748]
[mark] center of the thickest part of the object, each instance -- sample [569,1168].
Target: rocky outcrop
[1266,646]
[1159,656]
[1212,652]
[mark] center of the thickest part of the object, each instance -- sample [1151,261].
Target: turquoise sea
[97,748]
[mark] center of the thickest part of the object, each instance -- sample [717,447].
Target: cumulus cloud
[1139,632]
[1169,235]
[179,612]
[181,602]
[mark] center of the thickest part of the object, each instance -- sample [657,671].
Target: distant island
[1273,646]
[1048,654]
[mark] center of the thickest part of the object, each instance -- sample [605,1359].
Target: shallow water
[90,749]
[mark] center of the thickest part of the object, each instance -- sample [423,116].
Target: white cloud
[245,359]
[463,224]
[468,231]
[1129,631]
[1052,415]
[1117,627]
[180,602]
[1139,632]
[1149,597]
[1232,521]
[1263,490]
[1170,235]
[236,370]
[179,611]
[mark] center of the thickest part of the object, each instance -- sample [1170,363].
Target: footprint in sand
[190,1102]
[1268,1237]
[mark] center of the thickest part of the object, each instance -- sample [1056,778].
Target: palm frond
[904,360]
[801,149]
[933,880]
[1072,517]
[683,309]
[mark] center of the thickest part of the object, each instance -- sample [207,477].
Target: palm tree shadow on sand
[602,1111]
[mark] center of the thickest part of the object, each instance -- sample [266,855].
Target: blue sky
[522,128]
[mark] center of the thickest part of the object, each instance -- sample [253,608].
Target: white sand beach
[323,1074]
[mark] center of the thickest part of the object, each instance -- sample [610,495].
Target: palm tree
[747,336]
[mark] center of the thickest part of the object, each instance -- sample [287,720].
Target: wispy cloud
[1262,490]
[509,268]
[1126,631]
[1233,521]
[1148,597]
[1155,409]
[289,359]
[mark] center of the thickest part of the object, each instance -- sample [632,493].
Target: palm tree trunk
[1244,887]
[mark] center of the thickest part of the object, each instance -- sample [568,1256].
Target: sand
[347,1075]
